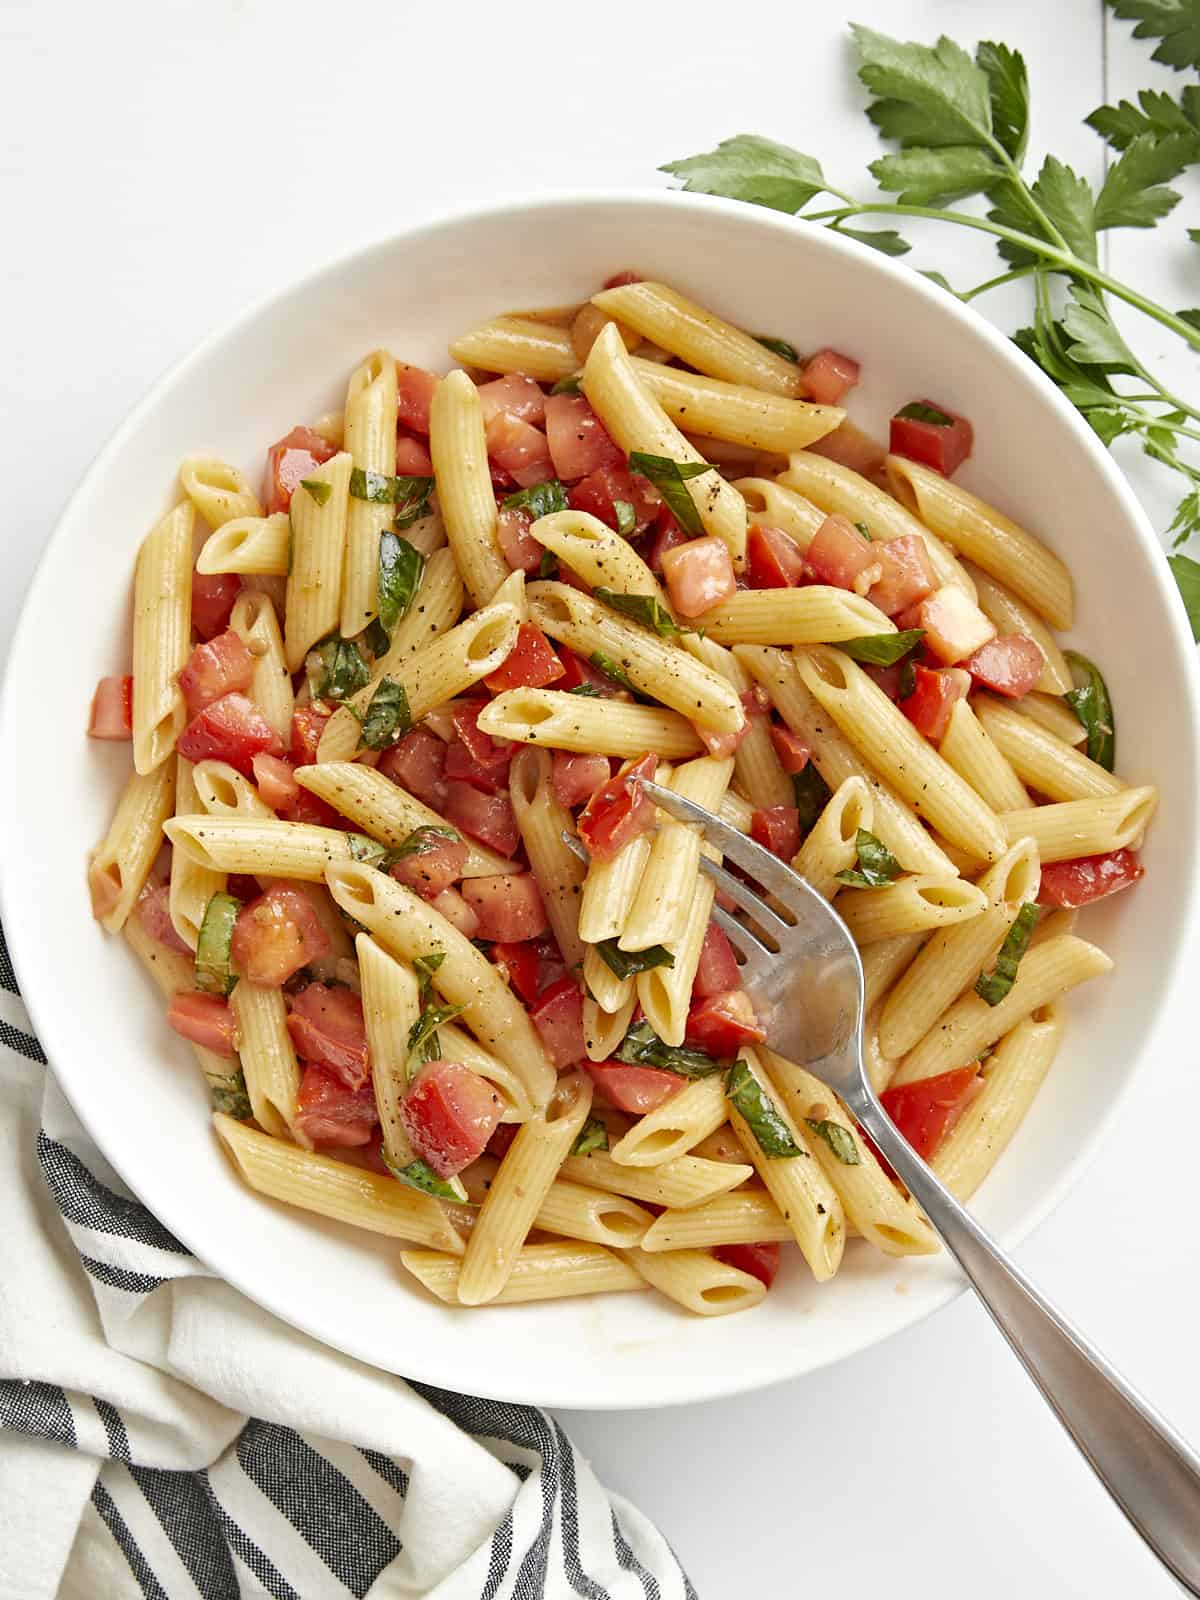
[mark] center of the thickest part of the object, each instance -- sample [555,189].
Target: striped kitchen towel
[163,1437]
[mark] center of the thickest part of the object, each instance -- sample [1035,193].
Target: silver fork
[802,970]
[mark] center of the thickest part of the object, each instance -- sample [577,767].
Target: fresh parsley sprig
[960,125]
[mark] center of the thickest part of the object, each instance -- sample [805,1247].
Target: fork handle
[1149,1470]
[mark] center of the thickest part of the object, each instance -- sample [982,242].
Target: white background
[164,164]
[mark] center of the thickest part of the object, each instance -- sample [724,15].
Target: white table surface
[165,163]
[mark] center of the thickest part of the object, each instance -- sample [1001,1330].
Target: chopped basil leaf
[422,1036]
[864,530]
[877,866]
[375,637]
[541,500]
[419,1175]
[592,1136]
[628,963]
[416,844]
[908,678]
[229,1095]
[1092,705]
[412,500]
[425,967]
[366,850]
[568,385]
[610,669]
[336,669]
[548,565]
[780,346]
[400,568]
[647,609]
[882,649]
[318,488]
[642,1047]
[839,1140]
[388,717]
[214,961]
[626,517]
[588,690]
[670,479]
[771,1132]
[922,411]
[811,794]
[993,986]
[408,494]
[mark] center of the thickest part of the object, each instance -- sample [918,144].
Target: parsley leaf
[771,1132]
[628,963]
[1092,705]
[1155,112]
[877,866]
[935,96]
[641,1046]
[926,177]
[1095,339]
[400,567]
[840,1140]
[1176,23]
[886,240]
[670,478]
[592,1136]
[751,168]
[420,1175]
[1008,89]
[993,986]
[388,717]
[540,500]
[1186,573]
[647,609]
[882,649]
[1134,195]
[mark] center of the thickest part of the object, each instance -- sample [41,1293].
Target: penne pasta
[815,614]
[314,586]
[192,885]
[563,721]
[219,492]
[600,556]
[518,344]
[1012,615]
[675,1127]
[603,1030]
[1051,712]
[543,820]
[268,1060]
[391,1007]
[256,624]
[736,412]
[120,864]
[254,546]
[745,1216]
[831,846]
[369,434]
[1089,827]
[698,1281]
[1041,758]
[681,1183]
[549,1271]
[265,847]
[781,508]
[910,905]
[663,903]
[223,792]
[162,610]
[970,750]
[465,494]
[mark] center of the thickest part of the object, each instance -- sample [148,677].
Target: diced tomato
[954,625]
[760,1260]
[720,1024]
[242,887]
[517,545]
[829,376]
[907,573]
[451,905]
[520,396]
[791,749]
[838,553]
[520,962]
[851,447]
[598,493]
[412,457]
[667,536]
[576,671]
[327,1028]
[277,934]
[576,778]
[699,575]
[530,664]
[578,440]
[888,678]
[205,1019]
[308,807]
[773,559]
[213,595]
[428,872]
[720,744]
[450,1113]
[502,1137]
[415,389]
[923,1111]
[633,1088]
[417,763]
[330,1113]
[1009,665]
[308,724]
[232,729]
[558,1017]
[462,767]
[480,745]
[519,449]
[215,668]
[486,817]
[1077,883]
[944,446]
[508,905]
[620,279]
[933,700]
[777,829]
[289,460]
[154,913]
[618,811]
[112,709]
[717,970]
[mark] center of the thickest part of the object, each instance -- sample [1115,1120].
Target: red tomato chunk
[599,492]
[276,935]
[721,1024]
[431,871]
[578,440]
[576,671]
[576,777]
[289,461]
[944,446]
[213,595]
[519,449]
[558,1018]
[717,969]
[154,914]
[232,729]
[327,1028]
[954,625]
[205,1019]
[215,668]
[633,1088]
[1077,883]
[412,458]
[112,709]
[925,1111]
[486,817]
[699,575]
[618,811]
[417,763]
[668,536]
[520,962]
[791,749]
[520,396]
[508,906]
[774,559]
[907,573]
[450,1113]
[276,783]
[415,389]
[829,376]
[838,553]
[1009,665]
[517,545]
[777,829]
[308,724]
[530,664]
[851,447]
[330,1113]
[761,1260]
[933,700]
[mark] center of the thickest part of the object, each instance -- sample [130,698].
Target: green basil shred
[568,385]
[811,794]
[882,649]
[540,500]
[994,985]
[409,495]
[229,1095]
[610,669]
[419,1175]
[369,851]
[400,567]
[1093,707]
[780,346]
[647,609]
[339,670]
[548,565]
[877,866]
[592,1136]
[840,1140]
[864,530]
[922,411]
[771,1132]
[642,1047]
[388,717]
[670,478]
[628,963]
[626,517]
[318,488]
[417,843]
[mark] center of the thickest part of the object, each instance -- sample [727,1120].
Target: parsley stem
[995,283]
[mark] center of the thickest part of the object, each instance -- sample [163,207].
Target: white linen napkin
[162,1437]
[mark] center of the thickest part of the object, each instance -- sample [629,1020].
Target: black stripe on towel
[114,1429]
[120,1278]
[40,1409]
[23,1043]
[84,1200]
[188,1518]
[247,1552]
[127,1544]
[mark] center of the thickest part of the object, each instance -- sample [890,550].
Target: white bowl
[133,1082]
